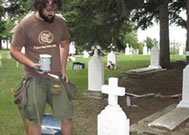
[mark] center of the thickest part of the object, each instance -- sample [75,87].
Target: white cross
[113,91]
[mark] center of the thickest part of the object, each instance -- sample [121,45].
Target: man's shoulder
[28,17]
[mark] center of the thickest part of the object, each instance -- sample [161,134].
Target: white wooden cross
[113,91]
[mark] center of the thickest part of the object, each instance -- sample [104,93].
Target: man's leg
[34,129]
[66,127]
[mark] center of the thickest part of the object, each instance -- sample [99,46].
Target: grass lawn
[10,76]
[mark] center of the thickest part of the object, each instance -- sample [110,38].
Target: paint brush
[52,75]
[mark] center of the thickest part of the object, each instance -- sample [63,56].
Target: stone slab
[146,69]
[172,119]
[156,115]
[142,128]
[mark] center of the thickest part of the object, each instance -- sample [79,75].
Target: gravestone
[112,120]
[181,49]
[95,72]
[127,49]
[154,59]
[145,49]
[72,51]
[130,51]
[136,51]
[111,60]
[85,54]
[78,65]
[185,89]
[72,48]
[149,51]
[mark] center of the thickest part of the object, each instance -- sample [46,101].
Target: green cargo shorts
[41,91]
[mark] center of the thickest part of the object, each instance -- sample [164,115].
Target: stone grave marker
[72,48]
[112,120]
[181,49]
[149,51]
[154,59]
[185,89]
[145,49]
[85,54]
[130,51]
[95,72]
[127,49]
[111,61]
[72,51]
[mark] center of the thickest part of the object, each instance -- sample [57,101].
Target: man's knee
[34,129]
[66,122]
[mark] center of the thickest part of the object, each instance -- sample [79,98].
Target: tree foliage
[99,22]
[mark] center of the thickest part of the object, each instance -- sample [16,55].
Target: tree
[99,22]
[149,42]
[157,10]
[164,34]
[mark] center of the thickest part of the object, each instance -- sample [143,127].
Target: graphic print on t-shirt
[45,37]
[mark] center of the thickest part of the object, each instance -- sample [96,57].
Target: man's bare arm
[64,53]
[20,57]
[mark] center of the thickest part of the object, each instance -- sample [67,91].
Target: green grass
[10,76]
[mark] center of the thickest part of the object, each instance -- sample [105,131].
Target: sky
[176,33]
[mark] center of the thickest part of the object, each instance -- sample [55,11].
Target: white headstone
[149,51]
[95,72]
[130,51]
[112,60]
[145,49]
[185,89]
[85,54]
[154,59]
[72,49]
[137,51]
[112,120]
[181,49]
[127,49]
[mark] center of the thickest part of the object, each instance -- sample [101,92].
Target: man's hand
[65,77]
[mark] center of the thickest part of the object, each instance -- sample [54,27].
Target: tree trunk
[164,35]
[187,40]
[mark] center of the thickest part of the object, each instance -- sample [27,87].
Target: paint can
[45,62]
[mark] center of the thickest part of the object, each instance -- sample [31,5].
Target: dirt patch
[164,83]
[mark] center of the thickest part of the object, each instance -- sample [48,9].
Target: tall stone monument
[127,49]
[112,120]
[95,72]
[145,49]
[155,57]
[185,89]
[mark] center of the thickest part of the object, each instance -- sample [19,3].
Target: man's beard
[46,19]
